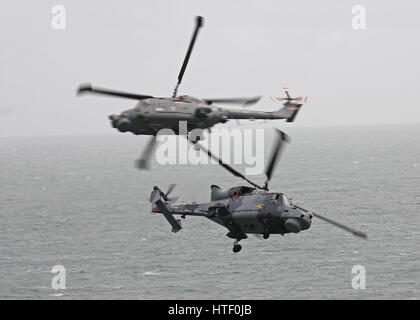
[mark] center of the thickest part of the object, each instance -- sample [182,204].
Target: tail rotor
[170,189]
[291,104]
[289,98]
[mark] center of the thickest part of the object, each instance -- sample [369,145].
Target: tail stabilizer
[159,205]
[294,108]
[289,111]
[291,105]
[175,223]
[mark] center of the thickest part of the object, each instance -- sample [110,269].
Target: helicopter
[243,209]
[152,114]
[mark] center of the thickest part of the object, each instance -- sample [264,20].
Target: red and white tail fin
[291,105]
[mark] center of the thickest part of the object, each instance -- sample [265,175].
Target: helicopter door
[271,201]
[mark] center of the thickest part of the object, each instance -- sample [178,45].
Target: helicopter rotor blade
[297,99]
[273,160]
[226,166]
[243,101]
[143,162]
[88,88]
[198,25]
[275,99]
[170,189]
[355,232]
[282,137]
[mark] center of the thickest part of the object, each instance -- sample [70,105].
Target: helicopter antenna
[282,137]
[198,25]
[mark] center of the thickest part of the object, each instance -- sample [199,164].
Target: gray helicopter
[245,210]
[152,114]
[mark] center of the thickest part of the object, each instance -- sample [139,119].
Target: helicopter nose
[305,220]
[293,225]
[297,220]
[113,118]
[123,124]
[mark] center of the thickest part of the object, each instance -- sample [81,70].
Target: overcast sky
[246,48]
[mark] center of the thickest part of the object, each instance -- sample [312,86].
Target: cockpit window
[285,200]
[246,190]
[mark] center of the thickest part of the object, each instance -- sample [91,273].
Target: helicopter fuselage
[154,114]
[244,210]
[151,115]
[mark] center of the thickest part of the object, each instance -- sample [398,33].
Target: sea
[76,221]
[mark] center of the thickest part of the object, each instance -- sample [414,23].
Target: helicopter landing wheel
[236,248]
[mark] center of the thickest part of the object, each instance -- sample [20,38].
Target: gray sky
[245,48]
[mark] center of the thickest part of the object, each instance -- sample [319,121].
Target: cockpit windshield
[277,198]
[188,98]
